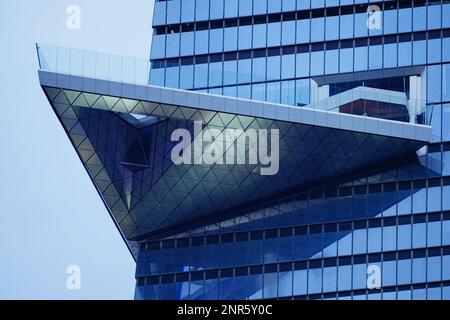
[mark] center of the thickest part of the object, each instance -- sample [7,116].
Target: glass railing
[91,64]
[376,103]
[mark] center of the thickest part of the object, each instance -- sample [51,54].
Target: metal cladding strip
[260,109]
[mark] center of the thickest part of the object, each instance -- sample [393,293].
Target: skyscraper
[359,94]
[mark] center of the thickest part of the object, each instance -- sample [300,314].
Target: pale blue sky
[50,214]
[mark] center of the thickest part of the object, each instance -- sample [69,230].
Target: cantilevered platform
[122,133]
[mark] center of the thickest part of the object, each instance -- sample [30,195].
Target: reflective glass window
[273,34]
[288,66]
[201,42]
[405,20]
[231,8]
[259,35]
[187,77]
[273,67]
[173,45]
[434,16]
[216,8]
[230,39]
[173,11]
[288,32]
[245,7]
[245,37]
[187,10]
[259,69]
[303,31]
[201,75]
[187,43]
[216,40]
[244,70]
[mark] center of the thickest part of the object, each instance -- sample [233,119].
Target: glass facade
[321,241]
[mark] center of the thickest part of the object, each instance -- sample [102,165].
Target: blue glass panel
[259,91]
[331,28]
[434,90]
[419,235]
[158,46]
[361,58]
[273,68]
[187,43]
[273,34]
[288,32]
[346,60]
[173,45]
[245,92]
[159,14]
[201,75]
[346,27]
[259,7]
[229,72]
[390,21]
[285,284]
[419,52]
[273,6]
[259,35]
[302,65]
[434,51]
[404,237]
[244,70]
[314,280]
[331,61]
[404,277]
[215,74]
[329,279]
[405,20]
[187,10]
[404,54]
[273,92]
[303,31]
[245,37]
[216,40]
[288,92]
[419,18]
[302,92]
[361,29]
[288,66]
[231,8]
[375,57]
[201,42]
[389,273]
[245,8]
[173,11]
[187,77]
[157,77]
[317,29]
[434,16]
[390,55]
[230,39]
[172,75]
[344,278]
[216,9]
[317,63]
[446,82]
[201,10]
[301,281]
[419,270]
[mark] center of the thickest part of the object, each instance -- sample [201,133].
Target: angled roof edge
[217,103]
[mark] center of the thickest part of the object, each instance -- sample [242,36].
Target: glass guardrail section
[91,64]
